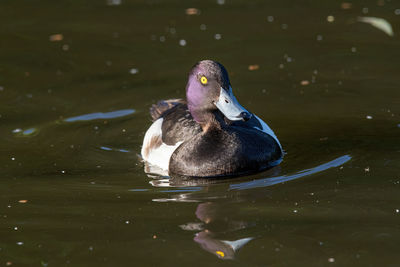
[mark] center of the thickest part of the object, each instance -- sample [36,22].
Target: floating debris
[162,39]
[217,36]
[397,11]
[56,37]
[220,2]
[368,117]
[320,37]
[182,42]
[331,259]
[346,5]
[305,82]
[203,27]
[133,71]
[354,49]
[253,67]
[192,11]
[22,201]
[330,18]
[270,18]
[65,47]
[379,23]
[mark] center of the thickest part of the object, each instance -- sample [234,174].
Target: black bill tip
[245,116]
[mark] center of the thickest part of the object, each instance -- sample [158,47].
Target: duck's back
[178,125]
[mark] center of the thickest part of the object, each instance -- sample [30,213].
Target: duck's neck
[207,119]
[210,125]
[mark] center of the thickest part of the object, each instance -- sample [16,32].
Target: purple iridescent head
[209,89]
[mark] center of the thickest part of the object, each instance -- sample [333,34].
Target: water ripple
[101,115]
[285,178]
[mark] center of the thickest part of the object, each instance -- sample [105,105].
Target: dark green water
[86,200]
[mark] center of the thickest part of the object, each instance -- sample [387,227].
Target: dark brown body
[221,148]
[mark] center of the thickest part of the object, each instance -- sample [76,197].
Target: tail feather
[157,110]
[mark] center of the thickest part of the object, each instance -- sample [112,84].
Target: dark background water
[73,190]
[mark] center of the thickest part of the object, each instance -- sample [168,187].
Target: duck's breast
[225,152]
[256,123]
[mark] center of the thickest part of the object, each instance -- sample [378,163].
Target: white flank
[158,156]
[267,130]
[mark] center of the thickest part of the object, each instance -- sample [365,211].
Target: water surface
[77,79]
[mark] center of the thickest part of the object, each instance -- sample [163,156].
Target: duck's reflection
[208,240]
[219,231]
[223,249]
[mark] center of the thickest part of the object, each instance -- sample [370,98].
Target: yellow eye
[203,80]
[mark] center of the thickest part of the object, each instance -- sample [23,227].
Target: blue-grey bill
[230,107]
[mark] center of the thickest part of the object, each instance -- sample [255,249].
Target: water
[77,79]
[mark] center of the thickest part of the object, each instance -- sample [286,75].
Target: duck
[208,135]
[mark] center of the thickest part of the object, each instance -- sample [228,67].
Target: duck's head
[209,89]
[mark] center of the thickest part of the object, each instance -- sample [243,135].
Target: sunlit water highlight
[101,115]
[286,178]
